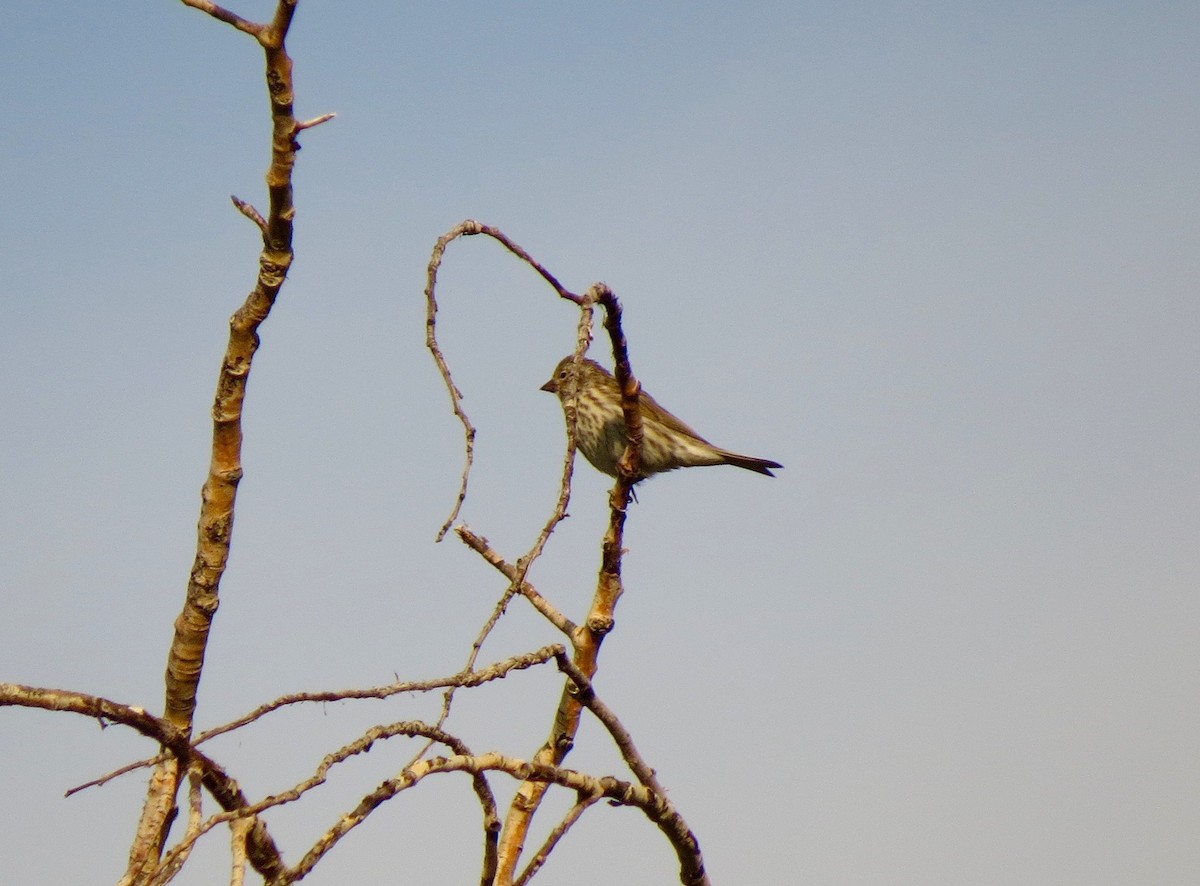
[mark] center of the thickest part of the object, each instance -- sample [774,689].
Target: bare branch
[585,802]
[465,229]
[620,735]
[116,773]
[222,14]
[390,788]
[315,121]
[250,810]
[239,830]
[101,709]
[185,660]
[181,753]
[480,545]
[150,860]
[583,340]
[250,212]
[216,515]
[167,872]
[515,575]
[656,807]
[600,620]
[496,671]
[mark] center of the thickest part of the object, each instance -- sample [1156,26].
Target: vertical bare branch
[239,831]
[185,660]
[587,638]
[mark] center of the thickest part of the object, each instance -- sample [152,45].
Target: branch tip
[250,212]
[315,121]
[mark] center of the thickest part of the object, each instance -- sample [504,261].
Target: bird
[600,434]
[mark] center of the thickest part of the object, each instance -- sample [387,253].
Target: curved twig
[468,228]
[655,806]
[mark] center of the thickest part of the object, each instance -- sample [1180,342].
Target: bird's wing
[665,418]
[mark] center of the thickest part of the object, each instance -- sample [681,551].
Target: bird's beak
[550,387]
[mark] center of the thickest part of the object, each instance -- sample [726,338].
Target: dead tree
[213,795]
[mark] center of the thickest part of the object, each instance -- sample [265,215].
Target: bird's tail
[758,465]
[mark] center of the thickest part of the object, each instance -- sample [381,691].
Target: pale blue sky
[939,259]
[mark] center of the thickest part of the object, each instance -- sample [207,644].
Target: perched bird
[667,443]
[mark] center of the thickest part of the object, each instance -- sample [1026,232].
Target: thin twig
[181,753]
[655,806]
[581,806]
[516,584]
[372,801]
[472,657]
[315,121]
[468,228]
[516,575]
[431,309]
[496,671]
[480,545]
[583,339]
[250,212]
[221,14]
[359,746]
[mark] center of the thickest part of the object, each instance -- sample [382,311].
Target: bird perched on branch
[667,443]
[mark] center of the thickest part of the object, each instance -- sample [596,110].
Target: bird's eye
[563,375]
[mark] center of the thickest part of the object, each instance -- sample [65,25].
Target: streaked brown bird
[667,443]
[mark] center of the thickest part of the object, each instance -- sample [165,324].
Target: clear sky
[939,259]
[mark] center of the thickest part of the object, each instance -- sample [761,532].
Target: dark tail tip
[758,465]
